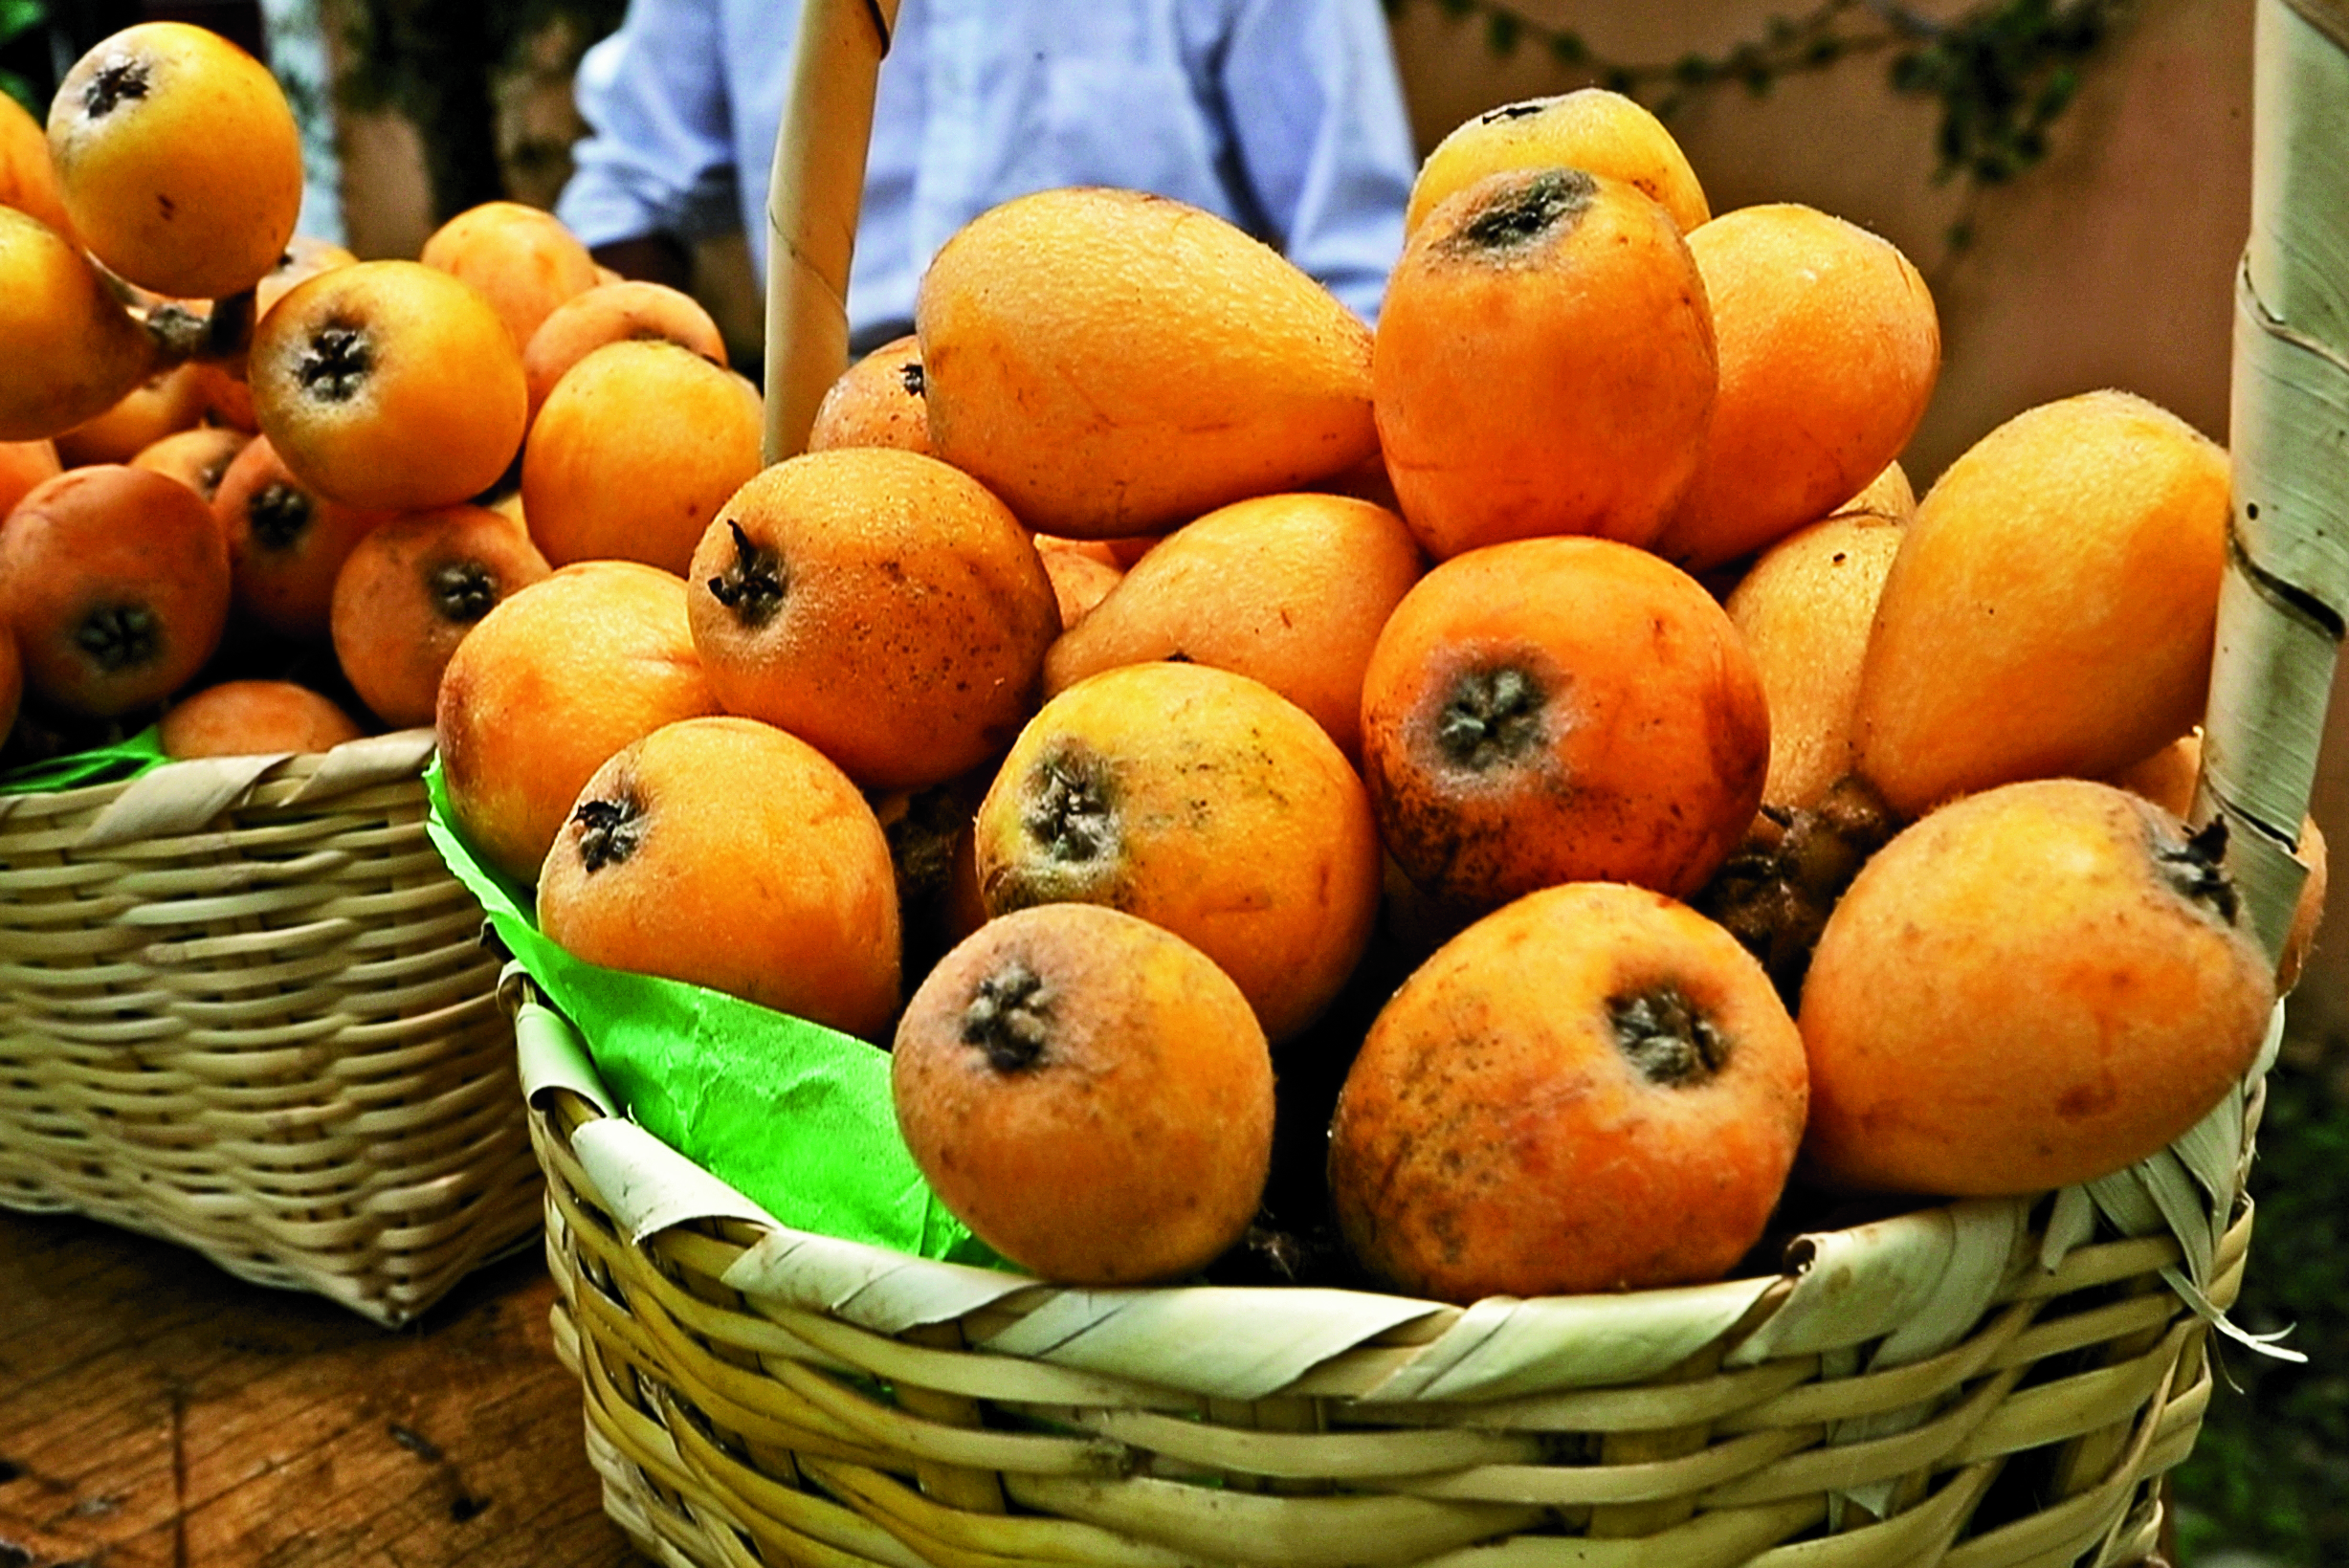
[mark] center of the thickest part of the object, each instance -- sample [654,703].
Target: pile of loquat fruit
[260,489]
[1523,799]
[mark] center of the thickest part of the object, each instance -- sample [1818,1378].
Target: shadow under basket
[246,1010]
[1982,1384]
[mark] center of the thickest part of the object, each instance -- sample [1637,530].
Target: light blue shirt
[1284,115]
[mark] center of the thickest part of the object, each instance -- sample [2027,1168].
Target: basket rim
[188,794]
[383,750]
[1922,1276]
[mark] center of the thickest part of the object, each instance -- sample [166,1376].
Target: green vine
[2003,72]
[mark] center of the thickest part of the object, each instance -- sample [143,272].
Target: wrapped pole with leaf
[2282,609]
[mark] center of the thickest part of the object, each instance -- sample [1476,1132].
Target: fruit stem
[1009,1018]
[1667,1038]
[220,334]
[754,586]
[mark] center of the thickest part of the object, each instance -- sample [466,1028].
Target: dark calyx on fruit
[335,363]
[462,591]
[910,375]
[279,515]
[1071,805]
[1492,717]
[753,586]
[116,82]
[1666,1037]
[118,638]
[1527,213]
[610,831]
[1009,1017]
[2195,868]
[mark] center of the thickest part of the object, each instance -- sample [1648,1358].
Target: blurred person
[1285,117]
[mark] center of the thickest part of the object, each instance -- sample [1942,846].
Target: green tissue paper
[795,1116]
[98,766]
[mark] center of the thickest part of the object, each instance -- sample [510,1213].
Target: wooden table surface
[158,1413]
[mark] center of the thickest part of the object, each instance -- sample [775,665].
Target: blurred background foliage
[22,37]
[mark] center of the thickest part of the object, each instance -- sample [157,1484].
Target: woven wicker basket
[1985,1384]
[247,1009]
[757,1394]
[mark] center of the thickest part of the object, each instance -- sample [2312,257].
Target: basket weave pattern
[735,1426]
[246,1010]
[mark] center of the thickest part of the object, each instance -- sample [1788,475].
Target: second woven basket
[246,1010]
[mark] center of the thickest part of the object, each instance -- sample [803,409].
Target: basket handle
[2285,600]
[813,199]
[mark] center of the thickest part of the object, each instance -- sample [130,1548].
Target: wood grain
[157,1413]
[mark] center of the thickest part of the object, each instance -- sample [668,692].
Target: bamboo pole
[813,199]
[2286,596]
